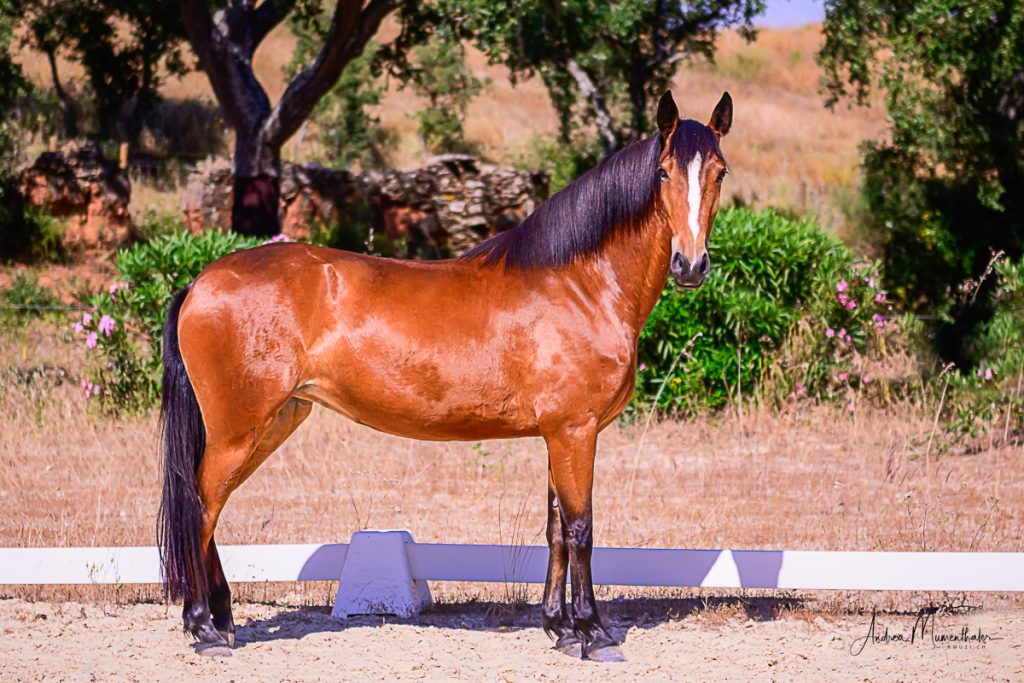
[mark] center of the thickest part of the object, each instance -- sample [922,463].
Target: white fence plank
[790,569]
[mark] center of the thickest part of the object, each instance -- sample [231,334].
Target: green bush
[26,299]
[768,274]
[122,329]
[988,398]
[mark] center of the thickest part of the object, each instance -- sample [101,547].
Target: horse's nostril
[679,263]
[705,265]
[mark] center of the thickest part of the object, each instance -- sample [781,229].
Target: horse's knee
[580,534]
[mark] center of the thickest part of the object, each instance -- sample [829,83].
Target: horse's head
[692,170]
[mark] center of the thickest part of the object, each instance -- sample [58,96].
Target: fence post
[377,579]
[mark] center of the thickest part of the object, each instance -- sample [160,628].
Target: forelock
[692,138]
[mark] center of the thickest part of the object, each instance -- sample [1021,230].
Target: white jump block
[377,579]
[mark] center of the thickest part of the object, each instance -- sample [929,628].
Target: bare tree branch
[602,118]
[351,27]
[227,63]
[267,16]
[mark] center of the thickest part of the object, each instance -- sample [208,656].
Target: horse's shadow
[621,614]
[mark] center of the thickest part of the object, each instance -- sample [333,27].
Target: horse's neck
[634,265]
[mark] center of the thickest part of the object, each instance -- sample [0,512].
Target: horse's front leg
[571,452]
[557,622]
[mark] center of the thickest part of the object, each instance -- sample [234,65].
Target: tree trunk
[67,106]
[255,205]
[225,42]
[256,196]
[638,100]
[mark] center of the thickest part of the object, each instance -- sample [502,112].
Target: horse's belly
[403,411]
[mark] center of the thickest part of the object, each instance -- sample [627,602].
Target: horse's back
[418,349]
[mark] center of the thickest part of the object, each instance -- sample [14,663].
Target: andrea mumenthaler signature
[923,633]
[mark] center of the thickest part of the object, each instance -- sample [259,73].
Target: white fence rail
[789,569]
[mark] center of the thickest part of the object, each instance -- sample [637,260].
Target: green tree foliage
[12,87]
[441,77]
[948,187]
[349,130]
[125,47]
[601,62]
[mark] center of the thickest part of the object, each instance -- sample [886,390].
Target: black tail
[184,439]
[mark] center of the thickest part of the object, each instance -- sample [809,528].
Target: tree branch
[267,16]
[227,63]
[351,27]
[602,119]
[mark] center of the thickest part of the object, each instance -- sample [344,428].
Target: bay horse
[532,333]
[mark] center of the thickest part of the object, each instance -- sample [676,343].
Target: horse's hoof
[608,653]
[213,650]
[569,645]
[228,636]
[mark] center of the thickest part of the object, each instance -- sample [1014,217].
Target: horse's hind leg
[225,465]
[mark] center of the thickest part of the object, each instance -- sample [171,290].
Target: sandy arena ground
[76,642]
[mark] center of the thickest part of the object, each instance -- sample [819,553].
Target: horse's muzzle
[689,275]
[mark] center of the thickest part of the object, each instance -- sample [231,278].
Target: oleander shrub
[122,328]
[770,276]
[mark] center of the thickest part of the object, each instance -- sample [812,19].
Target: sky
[783,13]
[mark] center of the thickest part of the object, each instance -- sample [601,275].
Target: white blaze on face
[693,197]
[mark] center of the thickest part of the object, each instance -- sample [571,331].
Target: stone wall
[440,209]
[89,192]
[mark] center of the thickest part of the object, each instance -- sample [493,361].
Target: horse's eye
[663,174]
[721,175]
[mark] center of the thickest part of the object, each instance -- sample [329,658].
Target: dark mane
[574,222]
[616,193]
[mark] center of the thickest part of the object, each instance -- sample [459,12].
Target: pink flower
[850,305]
[843,376]
[91,339]
[843,299]
[829,332]
[280,237]
[849,406]
[118,285]
[841,287]
[871,282]
[77,327]
[800,389]
[999,295]
[988,374]
[90,389]
[880,297]
[865,378]
[86,318]
[106,325]
[643,366]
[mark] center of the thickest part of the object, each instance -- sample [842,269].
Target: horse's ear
[721,118]
[668,115]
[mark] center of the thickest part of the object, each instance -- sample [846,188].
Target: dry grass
[785,148]
[813,478]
